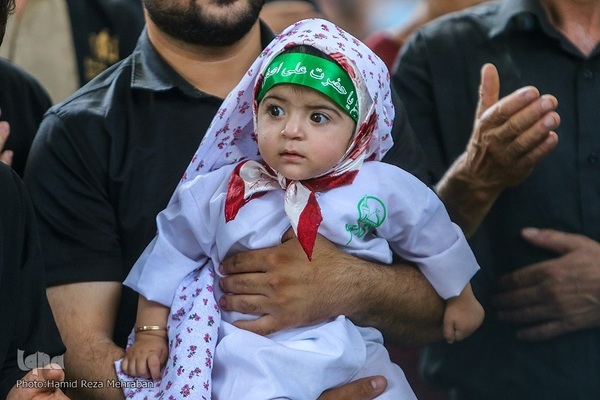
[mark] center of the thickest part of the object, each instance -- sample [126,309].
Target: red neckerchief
[252,179]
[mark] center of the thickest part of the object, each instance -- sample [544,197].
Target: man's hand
[6,156]
[510,136]
[361,389]
[283,285]
[290,291]
[557,296]
[48,377]
[280,284]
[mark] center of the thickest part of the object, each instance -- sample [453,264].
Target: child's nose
[292,129]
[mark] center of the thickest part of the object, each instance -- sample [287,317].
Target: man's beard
[192,25]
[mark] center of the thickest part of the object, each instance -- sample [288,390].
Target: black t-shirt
[27,323]
[438,78]
[107,161]
[23,102]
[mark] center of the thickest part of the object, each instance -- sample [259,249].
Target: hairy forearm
[396,299]
[90,366]
[291,291]
[85,313]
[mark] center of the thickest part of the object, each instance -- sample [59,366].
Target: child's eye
[319,118]
[274,111]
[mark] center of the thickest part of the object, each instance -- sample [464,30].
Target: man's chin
[216,23]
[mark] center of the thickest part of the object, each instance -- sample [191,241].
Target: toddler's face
[301,132]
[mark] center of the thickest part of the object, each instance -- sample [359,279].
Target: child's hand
[463,316]
[146,357]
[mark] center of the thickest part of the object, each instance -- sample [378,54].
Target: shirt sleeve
[67,178]
[419,229]
[184,242]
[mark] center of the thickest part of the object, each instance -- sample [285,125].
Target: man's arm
[289,291]
[85,314]
[552,297]
[509,138]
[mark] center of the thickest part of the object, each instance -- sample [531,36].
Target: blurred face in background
[211,23]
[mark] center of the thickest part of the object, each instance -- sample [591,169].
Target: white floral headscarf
[231,137]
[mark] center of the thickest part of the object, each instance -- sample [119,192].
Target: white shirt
[385,209]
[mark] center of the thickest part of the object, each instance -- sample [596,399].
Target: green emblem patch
[371,214]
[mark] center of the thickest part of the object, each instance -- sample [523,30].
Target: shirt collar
[151,72]
[520,15]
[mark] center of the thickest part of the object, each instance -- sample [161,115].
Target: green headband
[316,73]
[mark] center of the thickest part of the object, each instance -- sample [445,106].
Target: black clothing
[27,323]
[438,78]
[104,32]
[23,102]
[107,161]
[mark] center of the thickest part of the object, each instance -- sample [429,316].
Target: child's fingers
[125,366]
[450,332]
[135,367]
[459,335]
[154,364]
[141,366]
